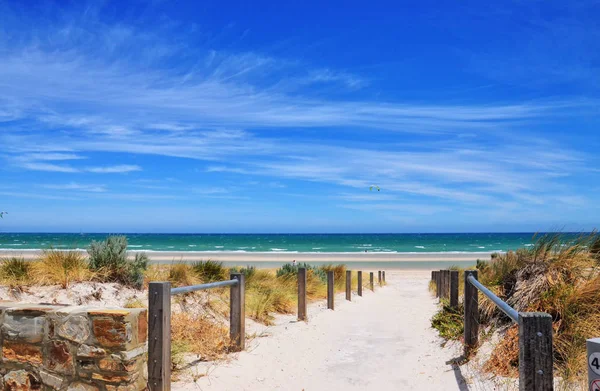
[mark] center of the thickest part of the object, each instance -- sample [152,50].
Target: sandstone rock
[51,380]
[75,328]
[18,327]
[79,386]
[133,353]
[111,331]
[60,358]
[114,378]
[115,364]
[22,352]
[90,351]
[20,381]
[142,327]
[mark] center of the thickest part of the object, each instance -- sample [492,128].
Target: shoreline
[284,257]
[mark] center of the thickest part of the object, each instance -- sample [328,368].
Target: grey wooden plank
[535,352]
[159,336]
[237,313]
[302,313]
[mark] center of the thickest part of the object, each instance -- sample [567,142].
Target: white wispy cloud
[120,169]
[77,187]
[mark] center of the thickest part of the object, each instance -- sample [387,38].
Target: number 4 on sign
[594,362]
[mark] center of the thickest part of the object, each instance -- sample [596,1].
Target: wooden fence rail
[159,317]
[159,325]
[535,328]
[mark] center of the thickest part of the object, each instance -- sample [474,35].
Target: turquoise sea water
[316,243]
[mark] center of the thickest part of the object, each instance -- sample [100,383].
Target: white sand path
[381,341]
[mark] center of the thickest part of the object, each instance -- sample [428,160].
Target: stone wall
[49,347]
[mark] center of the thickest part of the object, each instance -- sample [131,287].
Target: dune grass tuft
[15,271]
[61,268]
[198,334]
[210,271]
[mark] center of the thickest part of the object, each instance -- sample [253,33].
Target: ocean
[287,243]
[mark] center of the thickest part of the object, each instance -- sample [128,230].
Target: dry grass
[198,334]
[558,275]
[61,268]
[15,271]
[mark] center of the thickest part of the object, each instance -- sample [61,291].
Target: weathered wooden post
[433,275]
[535,352]
[454,288]
[360,283]
[371,282]
[237,312]
[446,284]
[471,313]
[159,338]
[349,285]
[379,278]
[302,294]
[330,290]
[438,282]
[383,276]
[442,280]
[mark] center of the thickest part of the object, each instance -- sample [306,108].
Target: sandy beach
[381,341]
[286,257]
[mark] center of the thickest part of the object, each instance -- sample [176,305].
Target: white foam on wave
[219,246]
[419,246]
[279,249]
[135,246]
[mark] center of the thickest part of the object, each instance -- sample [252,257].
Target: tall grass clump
[61,268]
[182,274]
[210,271]
[110,257]
[559,275]
[15,271]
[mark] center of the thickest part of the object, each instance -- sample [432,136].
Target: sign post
[593,354]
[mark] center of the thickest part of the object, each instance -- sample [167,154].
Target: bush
[290,270]
[62,267]
[15,271]
[210,271]
[111,258]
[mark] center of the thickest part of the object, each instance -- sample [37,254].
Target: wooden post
[330,290]
[433,275]
[302,294]
[471,313]
[360,283]
[454,288]
[437,283]
[159,336]
[383,276]
[446,284]
[237,312]
[371,282]
[535,352]
[441,284]
[349,285]
[379,278]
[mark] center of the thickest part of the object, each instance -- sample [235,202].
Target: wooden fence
[535,328]
[159,317]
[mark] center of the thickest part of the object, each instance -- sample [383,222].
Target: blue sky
[220,116]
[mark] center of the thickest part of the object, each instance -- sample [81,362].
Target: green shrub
[15,270]
[290,270]
[210,271]
[449,322]
[111,258]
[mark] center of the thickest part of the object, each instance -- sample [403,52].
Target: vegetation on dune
[558,275]
[62,268]
[210,271]
[15,271]
[110,257]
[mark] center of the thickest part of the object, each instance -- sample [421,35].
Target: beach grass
[558,275]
